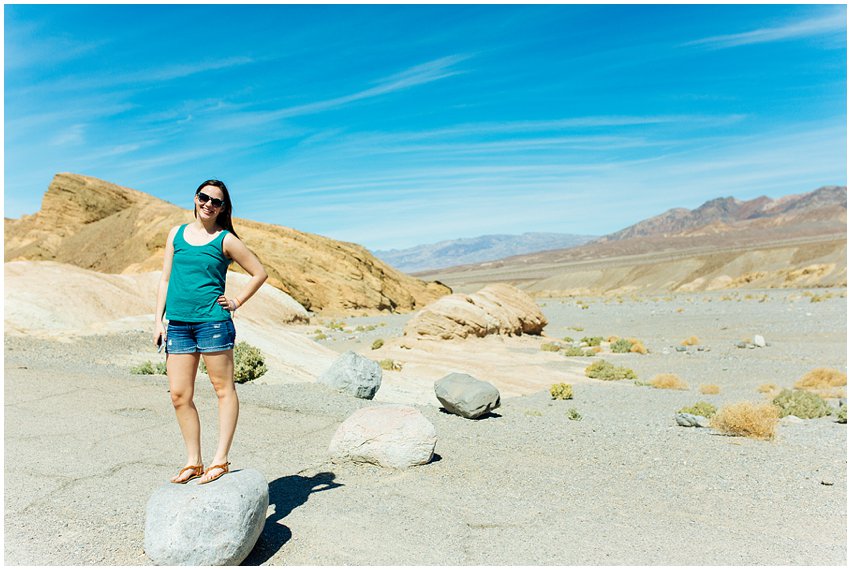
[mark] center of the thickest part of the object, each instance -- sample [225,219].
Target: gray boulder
[466,396]
[216,524]
[391,435]
[353,374]
[691,420]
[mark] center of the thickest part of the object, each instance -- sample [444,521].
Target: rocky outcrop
[466,396]
[216,524]
[108,228]
[496,309]
[353,374]
[390,436]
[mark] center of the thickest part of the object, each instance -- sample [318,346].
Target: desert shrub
[612,338]
[568,339]
[842,415]
[637,346]
[390,364]
[822,380]
[550,347]
[592,340]
[591,352]
[573,414]
[248,363]
[533,412]
[561,391]
[574,351]
[377,343]
[766,388]
[621,345]
[320,336]
[805,405]
[746,419]
[709,389]
[690,341]
[317,331]
[603,370]
[704,409]
[668,382]
[148,367]
[360,328]
[576,328]
[596,349]
[337,326]
[680,310]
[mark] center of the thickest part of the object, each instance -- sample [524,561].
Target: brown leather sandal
[223,467]
[197,471]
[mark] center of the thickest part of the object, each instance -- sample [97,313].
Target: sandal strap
[223,467]
[195,468]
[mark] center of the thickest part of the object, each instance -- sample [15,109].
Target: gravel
[87,442]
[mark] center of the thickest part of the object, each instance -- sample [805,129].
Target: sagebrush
[561,391]
[248,363]
[704,409]
[148,367]
[668,382]
[603,370]
[800,403]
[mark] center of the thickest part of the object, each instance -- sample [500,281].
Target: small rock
[466,396]
[790,419]
[353,374]
[827,483]
[759,340]
[216,524]
[741,345]
[681,349]
[691,420]
[391,435]
[666,351]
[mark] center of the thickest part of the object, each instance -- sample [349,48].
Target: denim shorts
[188,338]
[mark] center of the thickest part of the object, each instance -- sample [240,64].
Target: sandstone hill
[794,241]
[108,228]
[496,309]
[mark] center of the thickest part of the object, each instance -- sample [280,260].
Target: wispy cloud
[417,75]
[832,24]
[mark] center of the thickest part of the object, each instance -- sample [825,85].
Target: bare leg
[181,370]
[220,369]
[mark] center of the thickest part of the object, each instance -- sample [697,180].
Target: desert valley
[735,301]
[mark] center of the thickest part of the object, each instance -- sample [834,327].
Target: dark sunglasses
[203,198]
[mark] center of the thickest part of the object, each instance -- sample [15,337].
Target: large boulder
[496,309]
[390,436]
[466,396]
[353,374]
[216,524]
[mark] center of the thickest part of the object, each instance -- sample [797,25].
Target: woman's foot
[214,472]
[188,473]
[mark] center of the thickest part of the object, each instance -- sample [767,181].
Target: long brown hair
[223,220]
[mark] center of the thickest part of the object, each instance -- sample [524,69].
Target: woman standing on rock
[191,295]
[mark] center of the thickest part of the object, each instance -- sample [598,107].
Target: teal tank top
[197,280]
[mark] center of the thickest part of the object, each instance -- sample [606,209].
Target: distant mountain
[475,250]
[826,204]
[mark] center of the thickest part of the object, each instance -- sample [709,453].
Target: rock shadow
[485,416]
[286,493]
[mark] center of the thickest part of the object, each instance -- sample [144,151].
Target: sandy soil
[86,443]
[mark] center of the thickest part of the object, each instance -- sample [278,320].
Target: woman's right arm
[162,290]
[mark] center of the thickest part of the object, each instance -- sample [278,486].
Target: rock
[741,345]
[790,419]
[353,374]
[466,396]
[666,351]
[826,482]
[389,435]
[681,349]
[759,340]
[216,524]
[691,420]
[496,309]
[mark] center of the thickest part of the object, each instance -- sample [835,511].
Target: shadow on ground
[286,493]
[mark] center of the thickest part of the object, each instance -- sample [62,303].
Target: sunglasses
[203,198]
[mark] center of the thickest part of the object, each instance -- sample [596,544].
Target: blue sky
[392,126]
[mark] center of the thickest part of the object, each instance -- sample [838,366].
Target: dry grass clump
[747,419]
[690,341]
[390,364]
[596,349]
[561,391]
[826,382]
[603,370]
[668,382]
[767,388]
[612,338]
[637,346]
[709,389]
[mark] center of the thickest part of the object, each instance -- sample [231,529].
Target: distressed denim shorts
[188,338]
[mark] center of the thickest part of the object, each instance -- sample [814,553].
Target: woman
[191,294]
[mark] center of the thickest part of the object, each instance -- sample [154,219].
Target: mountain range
[476,249]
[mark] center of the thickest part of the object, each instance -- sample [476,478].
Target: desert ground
[87,442]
